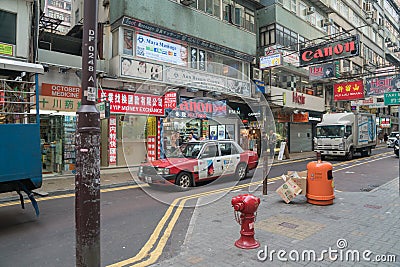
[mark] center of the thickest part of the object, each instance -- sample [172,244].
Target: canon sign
[344,48]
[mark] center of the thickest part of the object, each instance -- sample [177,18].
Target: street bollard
[320,182]
[247,205]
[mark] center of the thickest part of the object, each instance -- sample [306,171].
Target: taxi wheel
[241,171]
[184,180]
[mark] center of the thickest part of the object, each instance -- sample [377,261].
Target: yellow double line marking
[154,254]
[147,250]
[12,203]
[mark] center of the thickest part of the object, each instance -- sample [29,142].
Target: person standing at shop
[272,143]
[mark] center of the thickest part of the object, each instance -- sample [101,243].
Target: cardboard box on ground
[295,184]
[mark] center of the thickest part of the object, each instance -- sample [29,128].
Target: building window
[286,37]
[302,10]
[77,18]
[249,20]
[267,35]
[128,42]
[224,66]
[8,27]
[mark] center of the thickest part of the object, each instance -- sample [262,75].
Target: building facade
[292,27]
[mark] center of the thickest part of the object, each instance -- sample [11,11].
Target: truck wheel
[184,180]
[366,153]
[350,155]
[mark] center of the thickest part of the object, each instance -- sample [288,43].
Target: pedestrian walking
[272,143]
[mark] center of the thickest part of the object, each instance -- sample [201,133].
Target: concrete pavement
[364,224]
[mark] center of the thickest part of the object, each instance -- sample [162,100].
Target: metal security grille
[17,99]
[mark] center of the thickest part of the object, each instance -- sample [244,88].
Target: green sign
[392,98]
[6,49]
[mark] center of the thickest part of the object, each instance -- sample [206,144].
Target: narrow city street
[134,225]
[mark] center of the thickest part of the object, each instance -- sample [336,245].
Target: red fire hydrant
[246,204]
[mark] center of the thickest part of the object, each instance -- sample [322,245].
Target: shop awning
[8,64]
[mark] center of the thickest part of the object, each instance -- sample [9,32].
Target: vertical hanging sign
[112,135]
[151,138]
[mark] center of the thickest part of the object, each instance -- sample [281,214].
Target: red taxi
[199,161]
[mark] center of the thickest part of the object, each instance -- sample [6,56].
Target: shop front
[133,129]
[249,123]
[295,117]
[200,118]
[58,104]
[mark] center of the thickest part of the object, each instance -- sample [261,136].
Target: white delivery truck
[343,134]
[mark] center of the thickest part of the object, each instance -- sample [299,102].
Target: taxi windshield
[188,150]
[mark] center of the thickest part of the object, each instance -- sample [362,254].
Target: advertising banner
[160,50]
[59,90]
[378,86]
[348,90]
[199,108]
[141,69]
[213,132]
[270,61]
[221,132]
[320,72]
[127,102]
[345,48]
[206,81]
[112,140]
[170,100]
[371,102]
[289,56]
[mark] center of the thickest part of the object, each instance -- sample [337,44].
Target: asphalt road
[140,226]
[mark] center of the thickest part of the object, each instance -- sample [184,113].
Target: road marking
[12,203]
[156,253]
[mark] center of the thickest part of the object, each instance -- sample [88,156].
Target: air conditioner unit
[346,70]
[368,62]
[372,15]
[257,74]
[368,6]
[310,10]
[187,2]
[327,22]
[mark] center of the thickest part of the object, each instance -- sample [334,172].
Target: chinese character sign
[151,138]
[112,137]
[348,90]
[127,102]
[170,100]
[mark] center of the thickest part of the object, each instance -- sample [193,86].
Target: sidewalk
[359,221]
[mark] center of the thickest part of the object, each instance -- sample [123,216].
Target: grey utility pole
[87,178]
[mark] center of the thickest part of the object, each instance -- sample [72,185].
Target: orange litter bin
[320,182]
